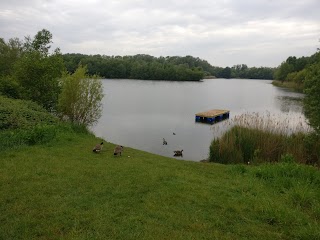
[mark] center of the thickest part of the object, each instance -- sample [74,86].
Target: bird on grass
[98,148]
[117,150]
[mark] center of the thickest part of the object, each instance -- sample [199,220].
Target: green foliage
[242,71]
[9,87]
[287,158]
[29,71]
[139,66]
[40,43]
[312,96]
[80,98]
[10,52]
[38,76]
[20,114]
[283,70]
[295,70]
[143,66]
[243,145]
[24,123]
[38,134]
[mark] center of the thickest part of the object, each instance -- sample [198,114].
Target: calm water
[138,113]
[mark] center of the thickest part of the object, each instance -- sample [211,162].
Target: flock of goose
[177,153]
[118,149]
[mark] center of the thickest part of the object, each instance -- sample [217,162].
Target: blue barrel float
[212,116]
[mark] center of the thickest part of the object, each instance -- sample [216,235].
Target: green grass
[61,190]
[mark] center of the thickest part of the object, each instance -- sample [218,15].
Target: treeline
[144,66]
[293,72]
[139,66]
[243,71]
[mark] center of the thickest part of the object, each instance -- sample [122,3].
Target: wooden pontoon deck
[212,116]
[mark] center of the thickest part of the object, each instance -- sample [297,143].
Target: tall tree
[80,98]
[40,43]
[10,52]
[38,70]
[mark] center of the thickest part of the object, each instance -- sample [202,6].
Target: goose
[97,148]
[164,141]
[117,150]
[178,153]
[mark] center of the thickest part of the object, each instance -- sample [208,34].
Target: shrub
[287,158]
[9,88]
[39,134]
[19,114]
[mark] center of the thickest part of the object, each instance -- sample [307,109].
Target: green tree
[226,72]
[283,70]
[80,98]
[10,52]
[40,43]
[37,71]
[38,76]
[312,96]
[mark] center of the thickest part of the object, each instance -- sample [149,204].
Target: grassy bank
[61,190]
[291,85]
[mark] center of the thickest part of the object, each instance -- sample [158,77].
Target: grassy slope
[63,190]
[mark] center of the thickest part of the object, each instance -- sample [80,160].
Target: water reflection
[290,103]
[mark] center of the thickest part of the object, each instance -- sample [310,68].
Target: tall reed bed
[256,138]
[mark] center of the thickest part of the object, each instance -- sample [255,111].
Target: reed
[255,138]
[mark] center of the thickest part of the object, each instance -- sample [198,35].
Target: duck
[117,150]
[178,153]
[174,133]
[98,148]
[164,142]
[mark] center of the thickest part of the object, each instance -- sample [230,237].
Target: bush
[243,145]
[9,88]
[39,134]
[20,114]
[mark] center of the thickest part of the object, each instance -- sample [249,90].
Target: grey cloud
[224,32]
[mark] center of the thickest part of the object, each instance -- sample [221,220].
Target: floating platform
[212,116]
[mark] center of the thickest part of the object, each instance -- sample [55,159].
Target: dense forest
[144,66]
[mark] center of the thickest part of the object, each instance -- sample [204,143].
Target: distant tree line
[243,71]
[144,66]
[139,66]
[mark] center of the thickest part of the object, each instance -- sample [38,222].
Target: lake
[140,113]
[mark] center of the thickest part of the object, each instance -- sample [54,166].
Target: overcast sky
[223,32]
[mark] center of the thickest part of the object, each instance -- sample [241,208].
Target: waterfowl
[117,150]
[174,133]
[164,142]
[97,148]
[178,153]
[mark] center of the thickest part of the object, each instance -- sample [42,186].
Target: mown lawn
[62,190]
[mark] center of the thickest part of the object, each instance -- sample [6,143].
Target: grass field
[61,190]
